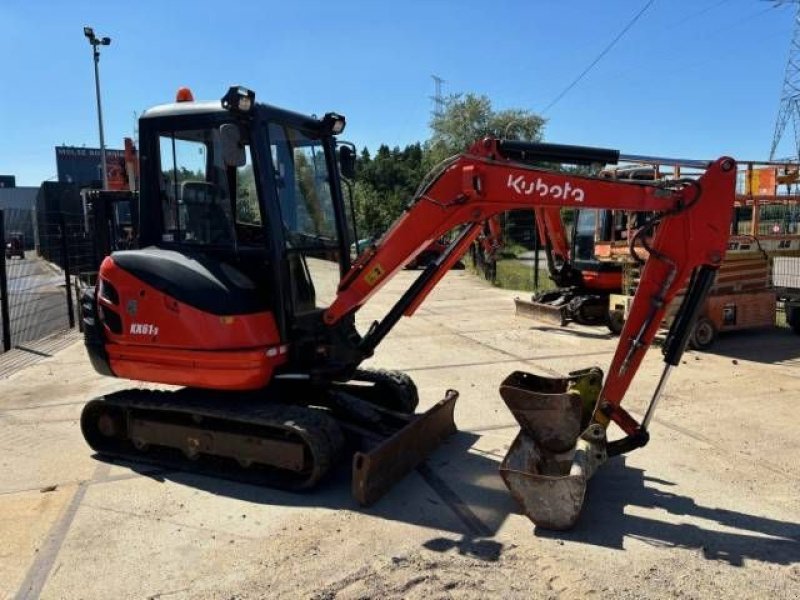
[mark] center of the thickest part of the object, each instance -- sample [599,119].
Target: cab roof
[215,107]
[182,108]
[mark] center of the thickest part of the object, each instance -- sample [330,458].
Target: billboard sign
[82,166]
[761,182]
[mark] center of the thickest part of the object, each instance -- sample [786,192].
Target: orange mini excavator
[242,292]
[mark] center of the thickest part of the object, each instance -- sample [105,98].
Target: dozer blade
[550,461]
[542,311]
[377,470]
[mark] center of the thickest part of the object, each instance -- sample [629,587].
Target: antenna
[789,108]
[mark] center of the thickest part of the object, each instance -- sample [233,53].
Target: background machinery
[15,246]
[242,292]
[578,261]
[764,238]
[602,274]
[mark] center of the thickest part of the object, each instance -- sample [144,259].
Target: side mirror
[233,154]
[347,162]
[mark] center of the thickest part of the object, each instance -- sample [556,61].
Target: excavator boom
[690,241]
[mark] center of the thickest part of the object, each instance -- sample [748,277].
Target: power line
[664,74]
[696,14]
[600,56]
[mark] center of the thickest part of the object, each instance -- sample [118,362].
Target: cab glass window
[197,205]
[303,187]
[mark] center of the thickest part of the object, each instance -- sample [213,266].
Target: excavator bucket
[554,455]
[390,459]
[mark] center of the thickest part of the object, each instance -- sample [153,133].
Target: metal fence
[39,290]
[786,279]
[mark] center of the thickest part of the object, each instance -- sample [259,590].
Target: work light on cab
[333,122]
[239,99]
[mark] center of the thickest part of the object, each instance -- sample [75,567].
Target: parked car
[15,246]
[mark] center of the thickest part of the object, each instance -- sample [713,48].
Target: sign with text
[82,166]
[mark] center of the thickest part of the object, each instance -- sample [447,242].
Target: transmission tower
[789,108]
[438,99]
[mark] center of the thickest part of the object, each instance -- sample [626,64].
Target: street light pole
[96,43]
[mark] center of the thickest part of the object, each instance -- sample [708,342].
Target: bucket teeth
[550,461]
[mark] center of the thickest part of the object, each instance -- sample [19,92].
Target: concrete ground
[708,509]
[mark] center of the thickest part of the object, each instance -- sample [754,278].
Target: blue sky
[694,79]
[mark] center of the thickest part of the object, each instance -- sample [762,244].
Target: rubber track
[317,430]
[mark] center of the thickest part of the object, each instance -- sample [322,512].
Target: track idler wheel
[557,450]
[103,426]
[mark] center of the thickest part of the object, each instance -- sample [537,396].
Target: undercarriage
[289,435]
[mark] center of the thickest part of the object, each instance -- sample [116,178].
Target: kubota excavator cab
[208,243]
[243,239]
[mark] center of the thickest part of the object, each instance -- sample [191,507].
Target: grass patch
[518,275]
[514,274]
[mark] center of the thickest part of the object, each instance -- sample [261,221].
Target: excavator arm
[550,229]
[693,220]
[495,176]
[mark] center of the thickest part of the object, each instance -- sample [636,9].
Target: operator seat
[207,220]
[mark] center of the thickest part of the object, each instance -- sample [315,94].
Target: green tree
[469,117]
[385,184]
[387,180]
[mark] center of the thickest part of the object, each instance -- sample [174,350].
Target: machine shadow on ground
[445,493]
[601,334]
[767,346]
[604,521]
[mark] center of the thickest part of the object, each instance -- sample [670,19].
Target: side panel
[745,310]
[236,370]
[150,336]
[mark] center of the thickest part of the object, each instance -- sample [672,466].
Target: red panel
[153,319]
[243,370]
[606,281]
[166,341]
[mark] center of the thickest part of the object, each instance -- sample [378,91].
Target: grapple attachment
[556,450]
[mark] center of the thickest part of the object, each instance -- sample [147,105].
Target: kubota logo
[536,186]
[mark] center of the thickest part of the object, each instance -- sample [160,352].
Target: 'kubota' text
[520,185]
